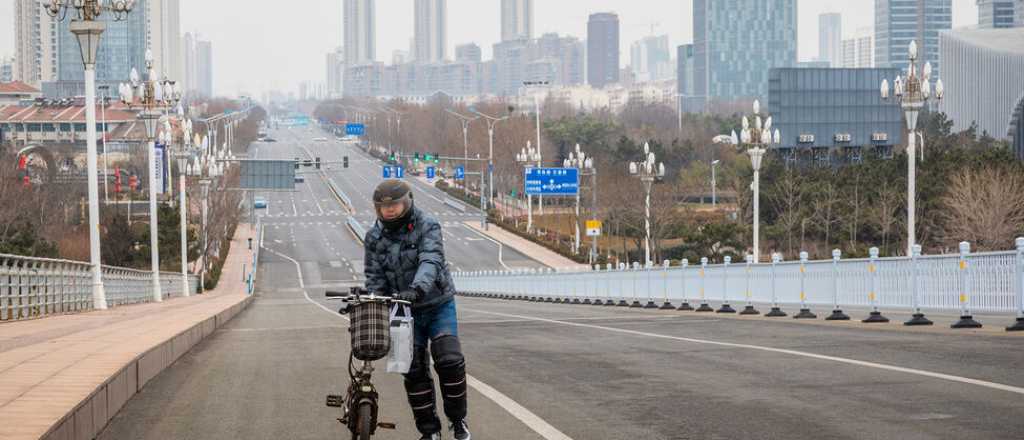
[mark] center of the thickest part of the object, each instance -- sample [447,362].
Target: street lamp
[647,170]
[714,184]
[756,137]
[536,107]
[912,93]
[527,157]
[465,120]
[491,122]
[87,31]
[186,144]
[207,165]
[153,96]
[585,165]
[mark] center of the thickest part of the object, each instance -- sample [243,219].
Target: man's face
[391,211]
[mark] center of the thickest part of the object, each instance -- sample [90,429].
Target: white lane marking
[531,420]
[912,371]
[500,246]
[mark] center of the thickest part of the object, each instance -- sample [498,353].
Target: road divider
[458,206]
[357,228]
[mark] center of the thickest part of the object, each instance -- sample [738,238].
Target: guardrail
[458,206]
[37,287]
[341,194]
[356,228]
[965,282]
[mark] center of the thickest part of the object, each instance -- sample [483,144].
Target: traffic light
[318,163]
[296,164]
[345,161]
[391,156]
[417,156]
[437,158]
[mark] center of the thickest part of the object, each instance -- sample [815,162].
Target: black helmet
[393,191]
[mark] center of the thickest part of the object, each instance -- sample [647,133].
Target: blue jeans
[434,322]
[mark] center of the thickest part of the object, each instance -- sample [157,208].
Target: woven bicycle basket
[371,331]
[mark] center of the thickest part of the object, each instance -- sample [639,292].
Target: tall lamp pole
[536,107]
[186,129]
[579,160]
[755,138]
[153,96]
[492,121]
[912,93]
[647,170]
[465,120]
[527,157]
[87,31]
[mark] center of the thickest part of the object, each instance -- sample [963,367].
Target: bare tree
[985,207]
[826,209]
[787,196]
[884,211]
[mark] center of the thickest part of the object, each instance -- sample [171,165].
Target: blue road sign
[460,173]
[431,173]
[552,181]
[395,172]
[355,129]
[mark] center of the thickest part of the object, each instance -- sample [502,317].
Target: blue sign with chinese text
[396,172]
[460,173]
[431,173]
[552,181]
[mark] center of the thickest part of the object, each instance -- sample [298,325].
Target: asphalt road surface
[551,371]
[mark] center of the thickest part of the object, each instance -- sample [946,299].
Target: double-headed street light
[912,93]
[647,170]
[87,31]
[465,120]
[755,138]
[579,160]
[491,122]
[528,158]
[153,96]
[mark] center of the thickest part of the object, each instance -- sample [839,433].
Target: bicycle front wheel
[364,422]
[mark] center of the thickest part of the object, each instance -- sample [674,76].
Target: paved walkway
[540,253]
[65,377]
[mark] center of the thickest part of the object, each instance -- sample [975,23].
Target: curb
[88,418]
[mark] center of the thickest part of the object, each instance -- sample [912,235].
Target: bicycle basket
[370,330]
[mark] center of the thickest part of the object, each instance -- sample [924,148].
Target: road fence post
[664,282]
[704,307]
[574,277]
[776,311]
[915,285]
[725,308]
[875,316]
[963,281]
[622,284]
[649,286]
[805,312]
[607,287]
[1018,281]
[749,309]
[683,264]
[636,301]
[837,313]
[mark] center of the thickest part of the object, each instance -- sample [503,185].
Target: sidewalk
[65,377]
[540,253]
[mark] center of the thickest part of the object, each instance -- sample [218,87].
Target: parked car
[259,203]
[300,179]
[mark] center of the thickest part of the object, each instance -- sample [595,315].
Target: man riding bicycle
[405,254]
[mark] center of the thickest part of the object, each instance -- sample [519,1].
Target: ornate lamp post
[585,165]
[647,170]
[756,138]
[912,92]
[207,165]
[154,96]
[186,145]
[88,31]
[528,157]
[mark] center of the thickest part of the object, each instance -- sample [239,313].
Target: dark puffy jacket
[409,258]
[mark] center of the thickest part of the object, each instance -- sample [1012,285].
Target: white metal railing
[37,287]
[989,282]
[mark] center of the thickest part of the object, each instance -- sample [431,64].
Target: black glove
[410,295]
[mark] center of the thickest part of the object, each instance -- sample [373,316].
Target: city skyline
[299,55]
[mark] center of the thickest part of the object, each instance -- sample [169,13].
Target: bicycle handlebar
[360,295]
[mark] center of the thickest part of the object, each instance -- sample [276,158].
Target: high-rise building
[603,49]
[984,78]
[650,59]
[735,46]
[859,51]
[35,37]
[830,37]
[164,37]
[516,19]
[1018,13]
[359,17]
[685,80]
[995,14]
[198,66]
[430,29]
[468,53]
[898,22]
[6,69]
[335,73]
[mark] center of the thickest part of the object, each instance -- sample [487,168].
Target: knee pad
[451,372]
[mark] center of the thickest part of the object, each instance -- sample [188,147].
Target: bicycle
[369,322]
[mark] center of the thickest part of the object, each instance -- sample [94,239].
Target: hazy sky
[261,45]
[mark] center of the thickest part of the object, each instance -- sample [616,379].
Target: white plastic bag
[400,356]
